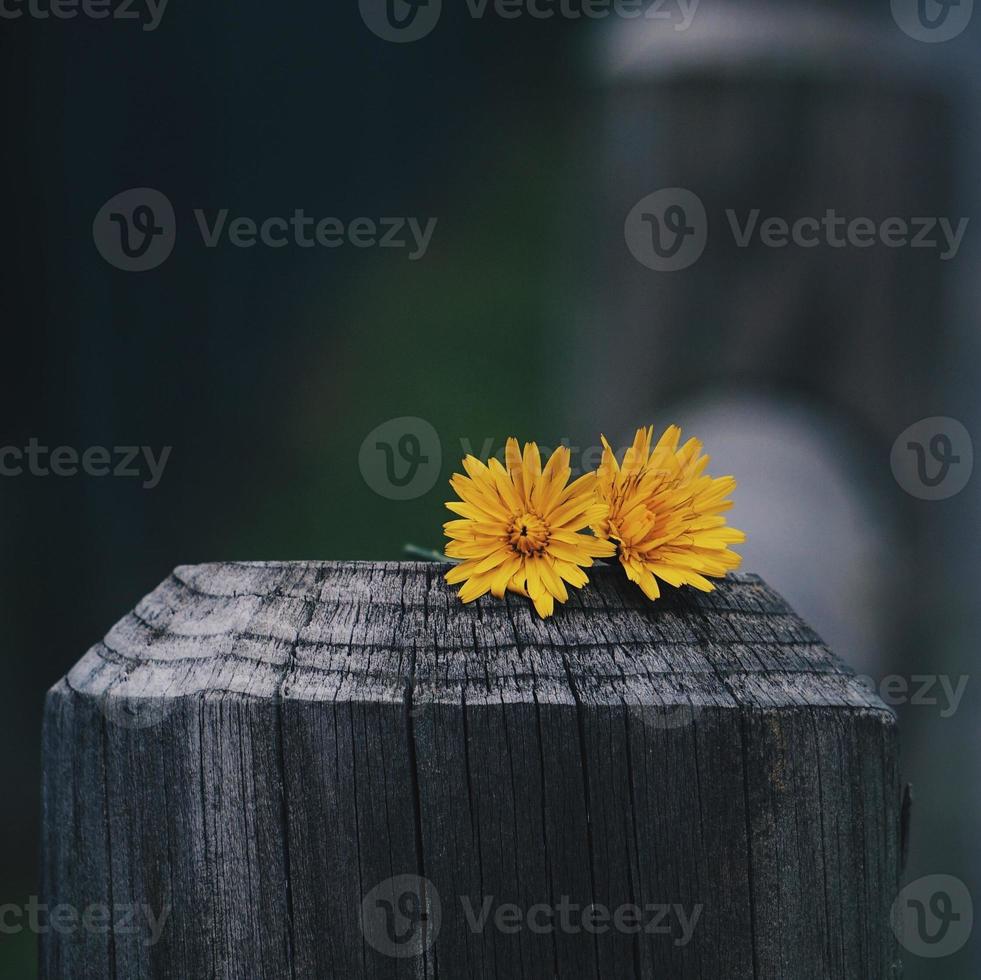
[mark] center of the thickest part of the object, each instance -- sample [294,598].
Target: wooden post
[337,770]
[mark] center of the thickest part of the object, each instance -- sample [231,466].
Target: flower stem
[425,554]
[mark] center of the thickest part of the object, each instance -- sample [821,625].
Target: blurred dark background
[529,140]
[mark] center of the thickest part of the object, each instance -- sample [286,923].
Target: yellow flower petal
[664,513]
[519,525]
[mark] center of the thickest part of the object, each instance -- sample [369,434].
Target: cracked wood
[258,745]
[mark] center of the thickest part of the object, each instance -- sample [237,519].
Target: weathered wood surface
[258,746]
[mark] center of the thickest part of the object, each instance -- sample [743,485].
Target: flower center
[528,534]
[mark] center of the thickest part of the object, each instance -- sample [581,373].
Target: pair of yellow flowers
[521,526]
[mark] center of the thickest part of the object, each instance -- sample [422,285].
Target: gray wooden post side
[337,770]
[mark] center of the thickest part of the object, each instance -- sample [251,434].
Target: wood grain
[257,746]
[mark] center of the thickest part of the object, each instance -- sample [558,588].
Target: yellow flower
[665,513]
[519,527]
